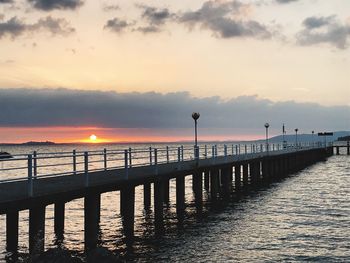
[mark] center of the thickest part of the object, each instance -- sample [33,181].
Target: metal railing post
[225,150]
[182,152]
[167,154]
[245,149]
[105,158]
[86,168]
[213,151]
[126,164]
[239,149]
[216,150]
[236,149]
[130,157]
[74,162]
[150,155]
[205,151]
[232,149]
[178,154]
[156,160]
[30,175]
[35,165]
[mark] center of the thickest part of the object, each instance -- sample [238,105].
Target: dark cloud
[317,22]
[63,107]
[155,16]
[6,1]
[225,20]
[116,25]
[15,27]
[148,29]
[48,5]
[286,1]
[324,30]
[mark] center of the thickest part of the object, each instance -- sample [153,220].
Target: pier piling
[91,207]
[59,219]
[36,230]
[127,208]
[12,231]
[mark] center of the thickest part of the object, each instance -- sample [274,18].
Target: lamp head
[195,115]
[267,125]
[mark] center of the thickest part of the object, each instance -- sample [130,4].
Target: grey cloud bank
[48,5]
[324,30]
[64,107]
[15,27]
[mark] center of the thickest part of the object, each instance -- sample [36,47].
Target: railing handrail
[107,159]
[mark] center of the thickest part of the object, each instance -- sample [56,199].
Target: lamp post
[195,116]
[296,137]
[283,133]
[267,125]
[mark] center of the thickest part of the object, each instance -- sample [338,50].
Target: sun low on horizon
[93,138]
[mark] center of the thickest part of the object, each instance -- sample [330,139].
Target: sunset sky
[135,70]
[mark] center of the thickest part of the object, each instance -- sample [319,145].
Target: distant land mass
[345,138]
[290,138]
[38,143]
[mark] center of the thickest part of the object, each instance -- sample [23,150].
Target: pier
[220,171]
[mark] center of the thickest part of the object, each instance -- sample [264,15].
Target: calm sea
[305,217]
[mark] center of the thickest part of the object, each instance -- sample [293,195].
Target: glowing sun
[93,138]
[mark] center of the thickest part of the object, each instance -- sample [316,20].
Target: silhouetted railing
[55,164]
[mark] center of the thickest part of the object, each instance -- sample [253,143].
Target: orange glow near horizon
[117,135]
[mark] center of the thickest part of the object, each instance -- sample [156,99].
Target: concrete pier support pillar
[271,170]
[338,152]
[36,230]
[166,191]
[127,209]
[180,197]
[245,175]
[12,232]
[253,173]
[198,189]
[59,219]
[238,177]
[147,195]
[91,207]
[265,170]
[214,183]
[206,180]
[158,206]
[226,173]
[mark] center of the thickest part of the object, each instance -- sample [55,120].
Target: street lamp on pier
[195,116]
[296,137]
[267,125]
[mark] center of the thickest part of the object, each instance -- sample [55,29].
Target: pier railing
[23,167]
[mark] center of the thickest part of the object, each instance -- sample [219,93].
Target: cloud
[108,8]
[285,1]
[64,107]
[225,20]
[116,25]
[15,27]
[324,30]
[48,5]
[155,16]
